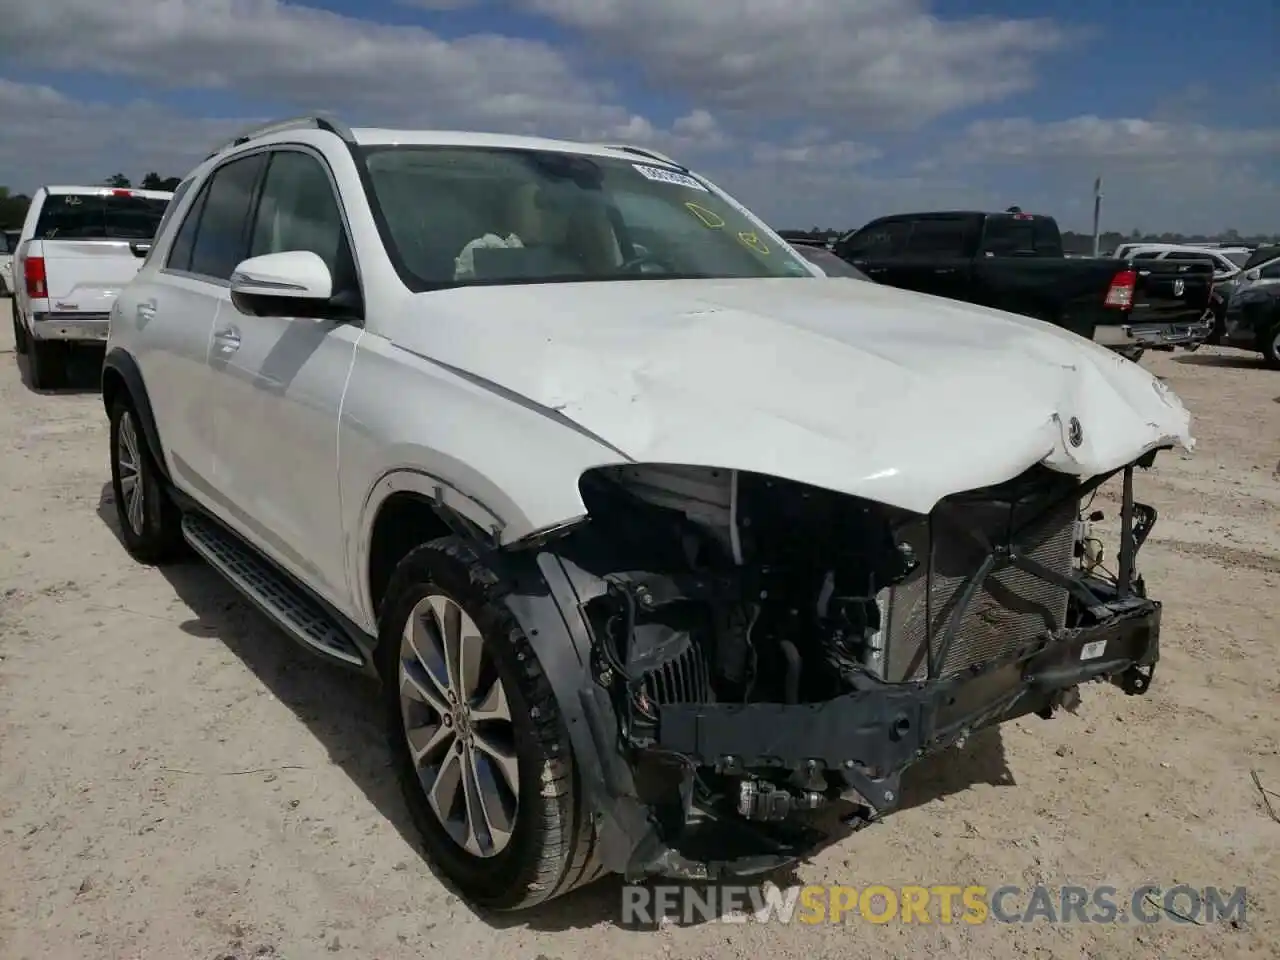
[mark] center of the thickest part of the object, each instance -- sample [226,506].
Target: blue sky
[824,112]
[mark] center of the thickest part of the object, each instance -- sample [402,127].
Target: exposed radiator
[686,679]
[1011,608]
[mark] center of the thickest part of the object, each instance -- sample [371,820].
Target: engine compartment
[726,587]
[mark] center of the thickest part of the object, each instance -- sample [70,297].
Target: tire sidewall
[150,538]
[1271,346]
[502,879]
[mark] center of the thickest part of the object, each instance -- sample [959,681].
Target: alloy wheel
[129,463]
[457,722]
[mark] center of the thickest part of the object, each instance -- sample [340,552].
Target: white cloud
[1157,174]
[786,101]
[49,138]
[1117,141]
[313,58]
[853,62]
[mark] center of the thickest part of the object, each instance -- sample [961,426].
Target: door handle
[945,270]
[227,339]
[146,311]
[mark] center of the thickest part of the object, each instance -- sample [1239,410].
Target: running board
[270,591]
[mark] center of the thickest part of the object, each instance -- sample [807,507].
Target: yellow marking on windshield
[709,218]
[751,240]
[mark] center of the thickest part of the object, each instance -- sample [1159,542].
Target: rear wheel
[48,364]
[150,522]
[19,331]
[477,737]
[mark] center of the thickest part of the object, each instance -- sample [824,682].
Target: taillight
[1120,293]
[33,270]
[122,193]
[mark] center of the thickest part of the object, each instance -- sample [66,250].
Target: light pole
[1097,211]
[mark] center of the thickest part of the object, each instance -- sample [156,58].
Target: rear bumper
[1149,336]
[71,327]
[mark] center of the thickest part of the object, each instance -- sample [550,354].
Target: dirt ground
[178,780]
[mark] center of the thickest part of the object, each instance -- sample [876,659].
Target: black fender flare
[545,602]
[119,362]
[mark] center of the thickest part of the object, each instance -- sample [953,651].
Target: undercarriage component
[760,800]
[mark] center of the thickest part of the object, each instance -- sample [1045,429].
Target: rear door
[936,257]
[93,242]
[173,305]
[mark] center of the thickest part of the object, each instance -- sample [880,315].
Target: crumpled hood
[896,396]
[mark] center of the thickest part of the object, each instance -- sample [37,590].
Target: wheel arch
[121,376]
[405,509]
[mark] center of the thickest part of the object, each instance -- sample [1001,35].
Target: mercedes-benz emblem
[1075,432]
[1179,288]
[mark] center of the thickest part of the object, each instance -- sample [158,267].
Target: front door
[280,385]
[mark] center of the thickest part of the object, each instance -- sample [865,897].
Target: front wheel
[477,736]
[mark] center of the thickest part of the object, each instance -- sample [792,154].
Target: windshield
[455,216]
[96,216]
[1238,257]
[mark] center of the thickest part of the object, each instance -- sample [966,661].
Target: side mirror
[295,274]
[1252,275]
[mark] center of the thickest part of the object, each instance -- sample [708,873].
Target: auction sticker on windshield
[668,176]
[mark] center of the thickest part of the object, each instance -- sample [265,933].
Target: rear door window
[936,237]
[1021,237]
[118,215]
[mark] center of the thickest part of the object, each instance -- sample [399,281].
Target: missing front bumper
[872,736]
[864,740]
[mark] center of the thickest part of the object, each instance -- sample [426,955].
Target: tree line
[13,206]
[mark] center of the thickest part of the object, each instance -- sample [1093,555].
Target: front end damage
[745,650]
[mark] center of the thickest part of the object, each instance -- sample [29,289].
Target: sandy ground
[177,780]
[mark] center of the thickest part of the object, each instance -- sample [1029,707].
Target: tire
[1271,347]
[152,528]
[48,364]
[20,342]
[550,838]
[1219,314]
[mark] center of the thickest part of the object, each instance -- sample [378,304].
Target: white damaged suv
[657,538]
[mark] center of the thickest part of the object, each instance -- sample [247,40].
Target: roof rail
[311,122]
[644,152]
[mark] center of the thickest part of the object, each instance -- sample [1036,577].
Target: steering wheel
[632,264]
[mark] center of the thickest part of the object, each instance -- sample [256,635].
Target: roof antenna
[1014,209]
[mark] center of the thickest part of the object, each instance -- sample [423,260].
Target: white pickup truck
[77,249]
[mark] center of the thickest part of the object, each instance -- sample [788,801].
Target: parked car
[6,264]
[1013,261]
[820,255]
[1232,252]
[1253,321]
[630,510]
[1261,269]
[78,246]
[1227,263]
